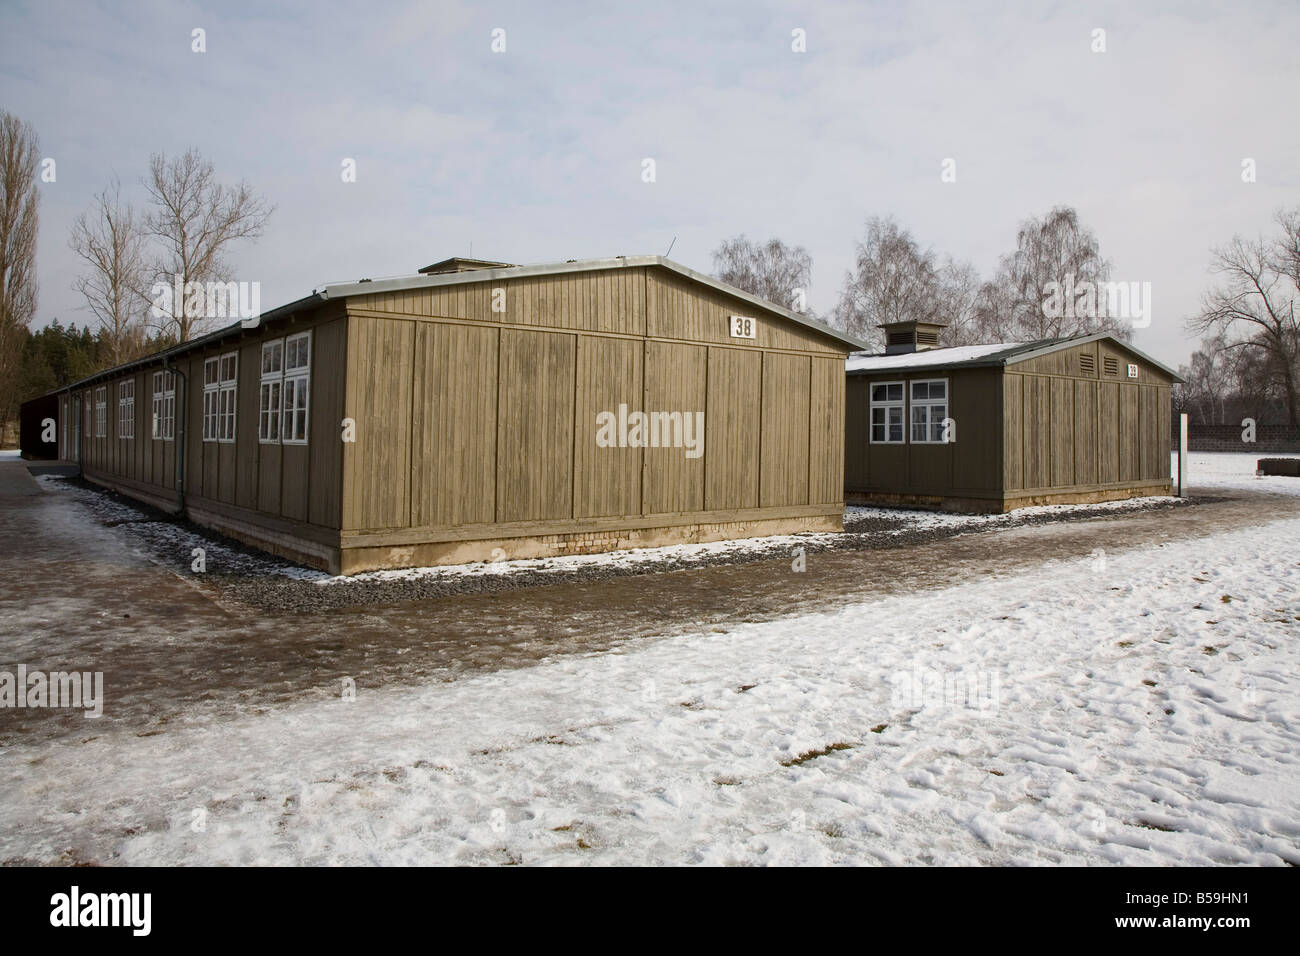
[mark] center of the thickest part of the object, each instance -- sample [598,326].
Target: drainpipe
[80,403]
[182,394]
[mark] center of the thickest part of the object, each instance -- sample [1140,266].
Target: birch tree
[770,270]
[893,279]
[1054,251]
[110,240]
[196,219]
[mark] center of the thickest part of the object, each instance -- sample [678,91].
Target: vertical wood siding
[607,481]
[535,433]
[676,378]
[732,427]
[826,446]
[1100,428]
[377,464]
[784,467]
[453,426]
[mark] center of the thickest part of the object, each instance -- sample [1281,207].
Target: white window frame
[126,408]
[933,411]
[296,394]
[886,404]
[210,389]
[270,394]
[228,379]
[164,406]
[101,411]
[284,398]
[220,377]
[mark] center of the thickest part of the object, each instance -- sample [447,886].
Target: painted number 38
[742,327]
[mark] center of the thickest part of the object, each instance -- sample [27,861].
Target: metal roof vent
[903,337]
[458,264]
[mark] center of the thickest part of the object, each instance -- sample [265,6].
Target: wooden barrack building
[455,415]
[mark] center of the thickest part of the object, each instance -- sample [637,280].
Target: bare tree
[770,270]
[111,241]
[1260,393]
[1209,382]
[892,280]
[959,289]
[994,309]
[1254,307]
[19,201]
[1055,255]
[196,219]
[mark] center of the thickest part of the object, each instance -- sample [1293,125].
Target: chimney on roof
[458,264]
[902,337]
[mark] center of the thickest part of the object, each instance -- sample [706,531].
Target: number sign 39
[743,327]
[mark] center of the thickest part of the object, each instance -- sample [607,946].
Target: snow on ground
[1234,471]
[1135,708]
[922,520]
[164,535]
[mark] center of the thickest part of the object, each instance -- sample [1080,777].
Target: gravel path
[243,577]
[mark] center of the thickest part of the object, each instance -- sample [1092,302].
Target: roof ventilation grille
[903,337]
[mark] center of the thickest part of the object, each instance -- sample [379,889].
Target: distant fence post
[1182,456]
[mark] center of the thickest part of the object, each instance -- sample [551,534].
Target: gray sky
[534,154]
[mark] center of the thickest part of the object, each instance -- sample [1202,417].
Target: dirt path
[75,595]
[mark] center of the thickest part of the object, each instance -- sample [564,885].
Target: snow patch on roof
[946,356]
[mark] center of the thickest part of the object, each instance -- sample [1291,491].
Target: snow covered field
[1136,707]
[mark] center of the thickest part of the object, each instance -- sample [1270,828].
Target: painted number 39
[742,327]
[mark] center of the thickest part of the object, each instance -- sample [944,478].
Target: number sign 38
[743,327]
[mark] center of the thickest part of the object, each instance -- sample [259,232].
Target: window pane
[939,389]
[272,353]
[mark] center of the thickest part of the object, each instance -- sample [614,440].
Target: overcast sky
[535,154]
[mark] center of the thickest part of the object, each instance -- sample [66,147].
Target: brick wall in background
[1268,438]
